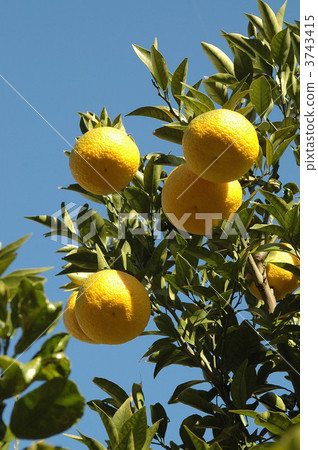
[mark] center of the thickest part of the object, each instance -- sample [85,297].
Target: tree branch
[259,273]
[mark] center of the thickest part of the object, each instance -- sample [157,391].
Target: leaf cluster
[26,315]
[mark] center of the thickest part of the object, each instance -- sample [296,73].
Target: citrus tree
[214,293]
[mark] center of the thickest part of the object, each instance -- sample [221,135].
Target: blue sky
[65,57]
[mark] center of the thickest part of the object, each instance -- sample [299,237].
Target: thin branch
[259,272]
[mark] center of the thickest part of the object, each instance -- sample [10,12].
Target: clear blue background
[65,57]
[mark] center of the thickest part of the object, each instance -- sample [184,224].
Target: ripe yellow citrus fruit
[189,201]
[70,321]
[220,145]
[112,307]
[280,280]
[104,160]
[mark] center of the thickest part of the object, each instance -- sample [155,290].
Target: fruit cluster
[219,147]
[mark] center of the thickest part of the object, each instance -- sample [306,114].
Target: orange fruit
[70,321]
[280,280]
[112,307]
[104,160]
[186,197]
[220,145]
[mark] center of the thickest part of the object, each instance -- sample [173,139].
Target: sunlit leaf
[270,23]
[261,97]
[281,46]
[219,59]
[178,78]
[160,68]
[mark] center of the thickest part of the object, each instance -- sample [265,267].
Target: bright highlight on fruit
[112,307]
[189,201]
[70,321]
[104,160]
[220,145]
[280,280]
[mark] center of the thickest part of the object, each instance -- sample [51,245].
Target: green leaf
[5,262]
[262,53]
[261,96]
[239,41]
[196,105]
[169,134]
[281,149]
[269,152]
[138,199]
[280,15]
[243,65]
[293,220]
[160,69]
[240,343]
[156,112]
[217,91]
[219,59]
[178,78]
[122,414]
[270,23]
[275,422]
[57,226]
[280,47]
[50,409]
[277,207]
[165,325]
[182,387]
[137,426]
[203,98]
[236,98]
[84,258]
[67,219]
[13,279]
[273,402]
[224,78]
[168,160]
[138,395]
[271,229]
[91,443]
[197,399]
[34,313]
[151,431]
[152,174]
[274,247]
[144,55]
[257,22]
[112,389]
[101,261]
[77,188]
[13,246]
[159,416]
[199,444]
[158,258]
[243,383]
[118,123]
[109,425]
[16,377]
